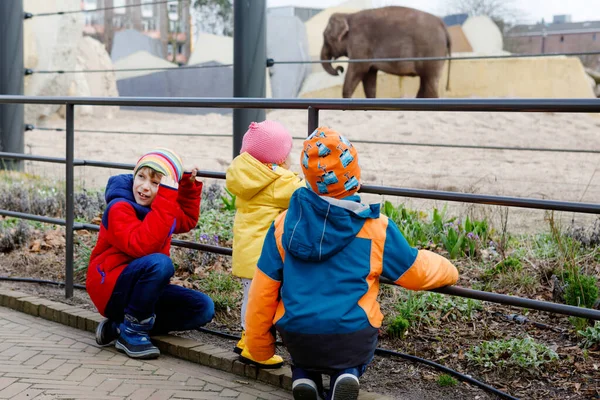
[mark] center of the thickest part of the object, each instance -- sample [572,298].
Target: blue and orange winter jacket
[317,280]
[130,231]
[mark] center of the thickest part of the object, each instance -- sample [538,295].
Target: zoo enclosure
[313,106]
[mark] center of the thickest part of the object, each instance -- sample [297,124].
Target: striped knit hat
[162,160]
[330,164]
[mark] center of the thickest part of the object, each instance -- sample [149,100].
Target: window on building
[594,37]
[119,3]
[90,5]
[180,49]
[562,39]
[147,9]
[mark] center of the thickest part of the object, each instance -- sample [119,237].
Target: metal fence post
[249,63]
[70,217]
[11,80]
[313,119]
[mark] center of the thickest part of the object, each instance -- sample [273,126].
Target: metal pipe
[11,79]
[226,251]
[32,217]
[313,119]
[70,212]
[514,301]
[521,302]
[249,65]
[586,208]
[438,105]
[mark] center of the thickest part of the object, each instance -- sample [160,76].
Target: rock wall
[57,43]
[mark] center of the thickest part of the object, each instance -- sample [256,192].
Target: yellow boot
[241,345]
[272,363]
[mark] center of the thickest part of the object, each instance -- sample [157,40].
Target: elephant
[387,32]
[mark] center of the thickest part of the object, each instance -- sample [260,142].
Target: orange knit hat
[330,164]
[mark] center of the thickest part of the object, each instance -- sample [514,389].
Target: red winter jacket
[130,231]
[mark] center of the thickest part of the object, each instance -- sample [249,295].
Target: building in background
[167,22]
[303,13]
[560,36]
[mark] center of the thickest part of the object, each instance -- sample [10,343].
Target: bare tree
[185,19]
[109,30]
[214,16]
[136,15]
[163,16]
[498,10]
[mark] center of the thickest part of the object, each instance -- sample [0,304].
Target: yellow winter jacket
[262,193]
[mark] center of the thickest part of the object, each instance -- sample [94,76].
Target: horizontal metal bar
[179,243]
[444,58]
[586,208]
[470,105]
[513,301]
[521,302]
[375,142]
[32,217]
[174,134]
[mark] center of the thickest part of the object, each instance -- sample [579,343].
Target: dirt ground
[545,175]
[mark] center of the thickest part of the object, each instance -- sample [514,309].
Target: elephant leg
[353,78]
[428,88]
[370,84]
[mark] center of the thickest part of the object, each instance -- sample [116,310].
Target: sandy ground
[547,175]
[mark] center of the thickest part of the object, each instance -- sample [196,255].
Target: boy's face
[145,186]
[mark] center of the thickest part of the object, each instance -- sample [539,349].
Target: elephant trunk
[326,55]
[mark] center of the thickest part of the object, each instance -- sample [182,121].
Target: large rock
[50,43]
[483,35]
[56,43]
[286,40]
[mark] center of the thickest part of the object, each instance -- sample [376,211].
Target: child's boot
[134,340]
[106,332]
[241,344]
[272,363]
[346,386]
[306,386]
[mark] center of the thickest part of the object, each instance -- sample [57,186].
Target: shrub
[446,380]
[398,327]
[223,289]
[591,336]
[523,353]
[581,290]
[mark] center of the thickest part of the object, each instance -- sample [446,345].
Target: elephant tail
[449,50]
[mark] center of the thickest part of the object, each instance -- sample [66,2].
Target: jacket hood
[246,176]
[316,228]
[120,188]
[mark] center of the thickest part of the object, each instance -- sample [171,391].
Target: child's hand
[194,174]
[169,181]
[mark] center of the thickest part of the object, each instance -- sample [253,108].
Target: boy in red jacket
[130,268]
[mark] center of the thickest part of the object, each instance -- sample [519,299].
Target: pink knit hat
[267,141]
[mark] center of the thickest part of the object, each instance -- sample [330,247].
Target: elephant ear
[339,26]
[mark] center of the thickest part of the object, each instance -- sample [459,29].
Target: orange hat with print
[330,164]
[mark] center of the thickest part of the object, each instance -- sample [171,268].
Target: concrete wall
[547,77]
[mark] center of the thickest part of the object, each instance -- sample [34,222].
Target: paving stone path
[40,359]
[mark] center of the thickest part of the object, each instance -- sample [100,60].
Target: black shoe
[305,389]
[106,332]
[346,387]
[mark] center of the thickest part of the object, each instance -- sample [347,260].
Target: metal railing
[313,106]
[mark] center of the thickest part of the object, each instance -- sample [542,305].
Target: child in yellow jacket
[263,185]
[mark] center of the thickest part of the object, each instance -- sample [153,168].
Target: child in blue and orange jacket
[130,268]
[263,184]
[318,275]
